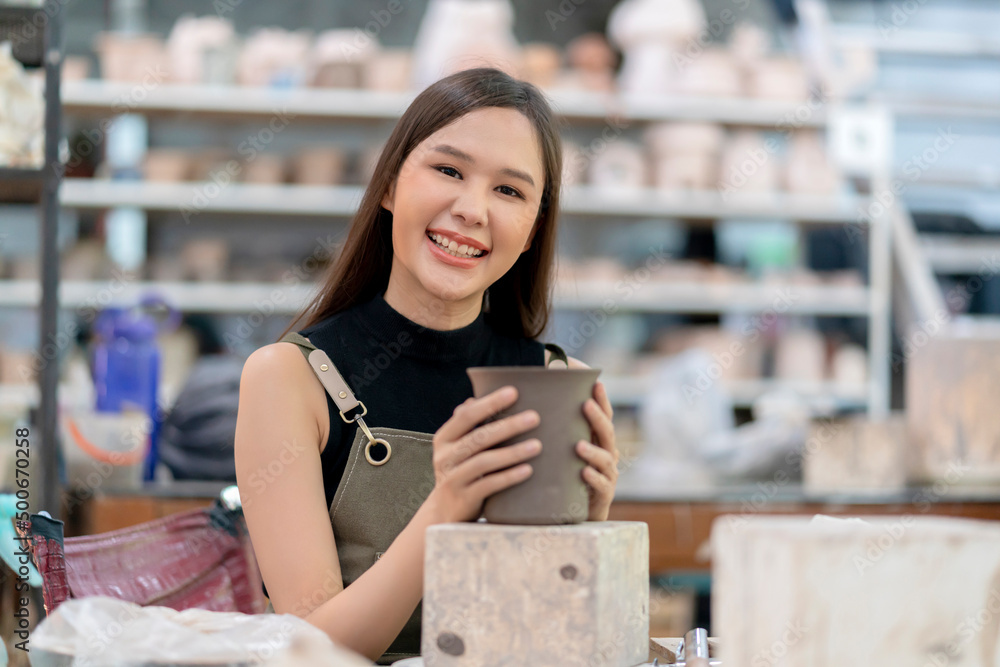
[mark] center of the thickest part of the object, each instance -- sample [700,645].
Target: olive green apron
[389,474]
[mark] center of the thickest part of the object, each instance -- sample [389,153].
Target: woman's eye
[449,171]
[507,190]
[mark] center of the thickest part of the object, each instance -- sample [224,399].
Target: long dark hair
[518,303]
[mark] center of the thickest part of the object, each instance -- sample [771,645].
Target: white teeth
[453,248]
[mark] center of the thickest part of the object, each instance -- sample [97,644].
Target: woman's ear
[531,237]
[389,198]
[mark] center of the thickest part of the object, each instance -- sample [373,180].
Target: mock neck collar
[388,325]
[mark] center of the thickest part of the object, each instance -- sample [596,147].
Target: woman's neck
[430,311]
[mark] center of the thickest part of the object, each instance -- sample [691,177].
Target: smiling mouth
[454,249]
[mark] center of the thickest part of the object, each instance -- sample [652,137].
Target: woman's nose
[472,206]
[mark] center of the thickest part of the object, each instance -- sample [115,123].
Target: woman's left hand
[601,454]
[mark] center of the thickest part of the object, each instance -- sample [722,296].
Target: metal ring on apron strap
[372,440]
[368,451]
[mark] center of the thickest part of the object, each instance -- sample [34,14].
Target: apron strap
[557,353]
[328,375]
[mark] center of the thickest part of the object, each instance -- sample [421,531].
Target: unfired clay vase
[555,493]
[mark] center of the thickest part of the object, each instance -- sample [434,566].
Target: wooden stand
[536,595]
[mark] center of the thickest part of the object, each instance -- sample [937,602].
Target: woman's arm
[279,431]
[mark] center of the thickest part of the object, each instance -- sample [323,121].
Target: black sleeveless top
[408,376]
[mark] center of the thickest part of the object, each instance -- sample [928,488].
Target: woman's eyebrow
[462,155]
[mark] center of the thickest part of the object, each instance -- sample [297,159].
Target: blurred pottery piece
[319,166]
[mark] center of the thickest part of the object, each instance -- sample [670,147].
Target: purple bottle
[127,368]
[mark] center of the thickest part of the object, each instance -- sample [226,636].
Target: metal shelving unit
[36,36]
[99,98]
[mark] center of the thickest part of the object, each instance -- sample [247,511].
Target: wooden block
[855,454]
[828,592]
[536,595]
[952,382]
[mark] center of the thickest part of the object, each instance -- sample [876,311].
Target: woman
[447,265]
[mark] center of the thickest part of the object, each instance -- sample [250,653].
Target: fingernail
[529,417]
[532,446]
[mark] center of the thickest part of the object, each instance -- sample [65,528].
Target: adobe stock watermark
[876,549]
[624,289]
[913,169]
[956,299]
[267,473]
[707,36]
[221,178]
[367,35]
[783,300]
[66,335]
[565,9]
[91,138]
[966,631]
[776,653]
[823,432]
[741,173]
[900,15]
[612,130]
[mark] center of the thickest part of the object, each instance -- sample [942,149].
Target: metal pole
[880,275]
[48,349]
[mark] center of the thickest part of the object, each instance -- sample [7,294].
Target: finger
[598,458]
[603,429]
[493,460]
[489,435]
[602,486]
[601,396]
[475,411]
[498,481]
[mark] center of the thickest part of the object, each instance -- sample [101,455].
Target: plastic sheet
[104,631]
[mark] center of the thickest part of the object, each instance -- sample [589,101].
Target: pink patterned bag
[200,559]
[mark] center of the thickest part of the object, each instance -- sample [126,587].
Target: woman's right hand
[466,470]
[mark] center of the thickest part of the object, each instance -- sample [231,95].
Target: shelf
[342,201]
[20,26]
[19,186]
[188,296]
[710,205]
[673,297]
[239,297]
[951,254]
[920,42]
[631,391]
[98,96]
[307,200]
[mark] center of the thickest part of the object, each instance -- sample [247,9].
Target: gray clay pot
[555,493]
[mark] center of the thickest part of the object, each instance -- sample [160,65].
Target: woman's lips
[447,258]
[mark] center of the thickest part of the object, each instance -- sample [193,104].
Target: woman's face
[475,186]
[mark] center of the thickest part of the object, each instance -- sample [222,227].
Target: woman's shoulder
[276,360]
[277,378]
